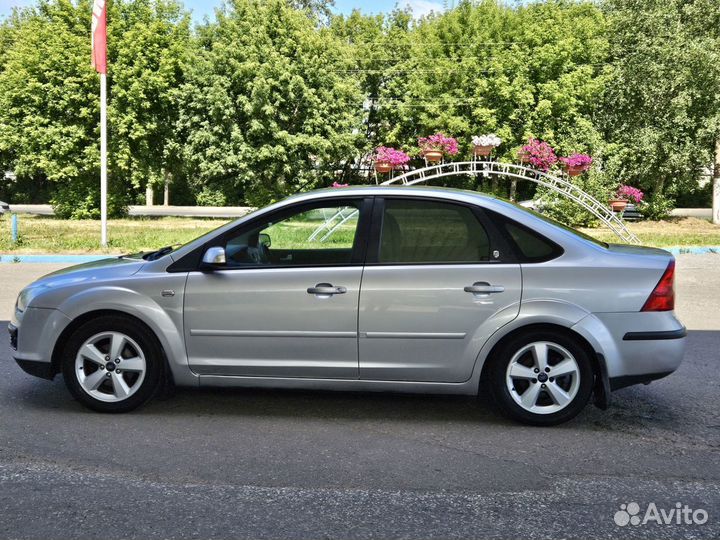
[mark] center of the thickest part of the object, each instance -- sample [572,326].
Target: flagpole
[103,159]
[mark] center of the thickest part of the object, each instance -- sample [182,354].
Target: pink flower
[439,143]
[629,193]
[395,158]
[539,154]
[579,161]
[338,185]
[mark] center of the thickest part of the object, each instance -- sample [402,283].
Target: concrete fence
[181,211]
[236,211]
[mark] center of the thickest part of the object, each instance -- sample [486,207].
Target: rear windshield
[561,225]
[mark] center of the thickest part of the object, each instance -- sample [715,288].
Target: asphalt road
[282,464]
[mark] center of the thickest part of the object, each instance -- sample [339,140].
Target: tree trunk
[166,193]
[149,195]
[513,189]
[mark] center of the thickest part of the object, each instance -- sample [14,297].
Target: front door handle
[326,289]
[483,287]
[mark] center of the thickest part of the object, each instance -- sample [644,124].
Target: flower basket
[617,205]
[576,164]
[630,194]
[434,147]
[387,159]
[483,144]
[480,150]
[433,156]
[538,155]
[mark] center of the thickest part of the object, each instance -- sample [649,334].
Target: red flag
[99,36]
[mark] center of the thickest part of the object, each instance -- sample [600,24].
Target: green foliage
[662,106]
[657,207]
[49,104]
[210,197]
[278,96]
[268,108]
[148,43]
[594,182]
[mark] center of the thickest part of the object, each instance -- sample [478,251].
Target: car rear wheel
[542,378]
[112,364]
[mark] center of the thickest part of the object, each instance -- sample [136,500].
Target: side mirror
[264,240]
[214,256]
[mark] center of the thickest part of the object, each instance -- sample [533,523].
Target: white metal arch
[495,168]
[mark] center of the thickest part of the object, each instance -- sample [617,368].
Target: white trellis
[494,168]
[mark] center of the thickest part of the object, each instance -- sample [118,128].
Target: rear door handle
[483,287]
[326,289]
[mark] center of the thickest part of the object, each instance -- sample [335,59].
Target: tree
[485,67]
[662,105]
[268,107]
[148,44]
[49,105]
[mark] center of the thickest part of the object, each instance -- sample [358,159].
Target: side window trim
[359,248]
[496,239]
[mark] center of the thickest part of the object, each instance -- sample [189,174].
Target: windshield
[561,225]
[158,253]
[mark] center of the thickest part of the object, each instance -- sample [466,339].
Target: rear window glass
[417,231]
[533,247]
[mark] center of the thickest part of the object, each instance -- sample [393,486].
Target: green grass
[40,234]
[675,232]
[49,235]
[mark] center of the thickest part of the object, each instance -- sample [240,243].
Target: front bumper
[33,367]
[33,338]
[13,336]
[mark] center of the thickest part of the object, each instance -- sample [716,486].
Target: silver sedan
[401,289]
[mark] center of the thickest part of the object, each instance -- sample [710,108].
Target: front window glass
[315,236]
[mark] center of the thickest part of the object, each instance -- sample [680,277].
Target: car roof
[397,189]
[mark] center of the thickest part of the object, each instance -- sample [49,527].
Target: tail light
[663,296]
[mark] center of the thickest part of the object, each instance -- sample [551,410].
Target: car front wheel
[542,378]
[112,364]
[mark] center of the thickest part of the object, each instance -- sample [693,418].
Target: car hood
[116,267]
[96,271]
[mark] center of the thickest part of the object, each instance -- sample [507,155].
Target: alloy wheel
[110,366]
[543,377]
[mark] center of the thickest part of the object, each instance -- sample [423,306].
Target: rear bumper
[637,347]
[44,370]
[655,335]
[616,383]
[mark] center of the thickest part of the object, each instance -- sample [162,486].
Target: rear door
[437,284]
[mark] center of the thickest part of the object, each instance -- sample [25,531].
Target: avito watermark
[680,514]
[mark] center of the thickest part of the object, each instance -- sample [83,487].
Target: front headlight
[21,302]
[25,297]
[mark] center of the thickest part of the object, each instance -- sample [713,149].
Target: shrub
[656,207]
[210,197]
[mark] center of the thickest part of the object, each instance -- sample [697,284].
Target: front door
[434,293]
[285,303]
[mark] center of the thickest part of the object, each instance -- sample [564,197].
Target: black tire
[143,337]
[501,393]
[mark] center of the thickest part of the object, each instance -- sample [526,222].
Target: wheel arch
[601,392]
[77,322]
